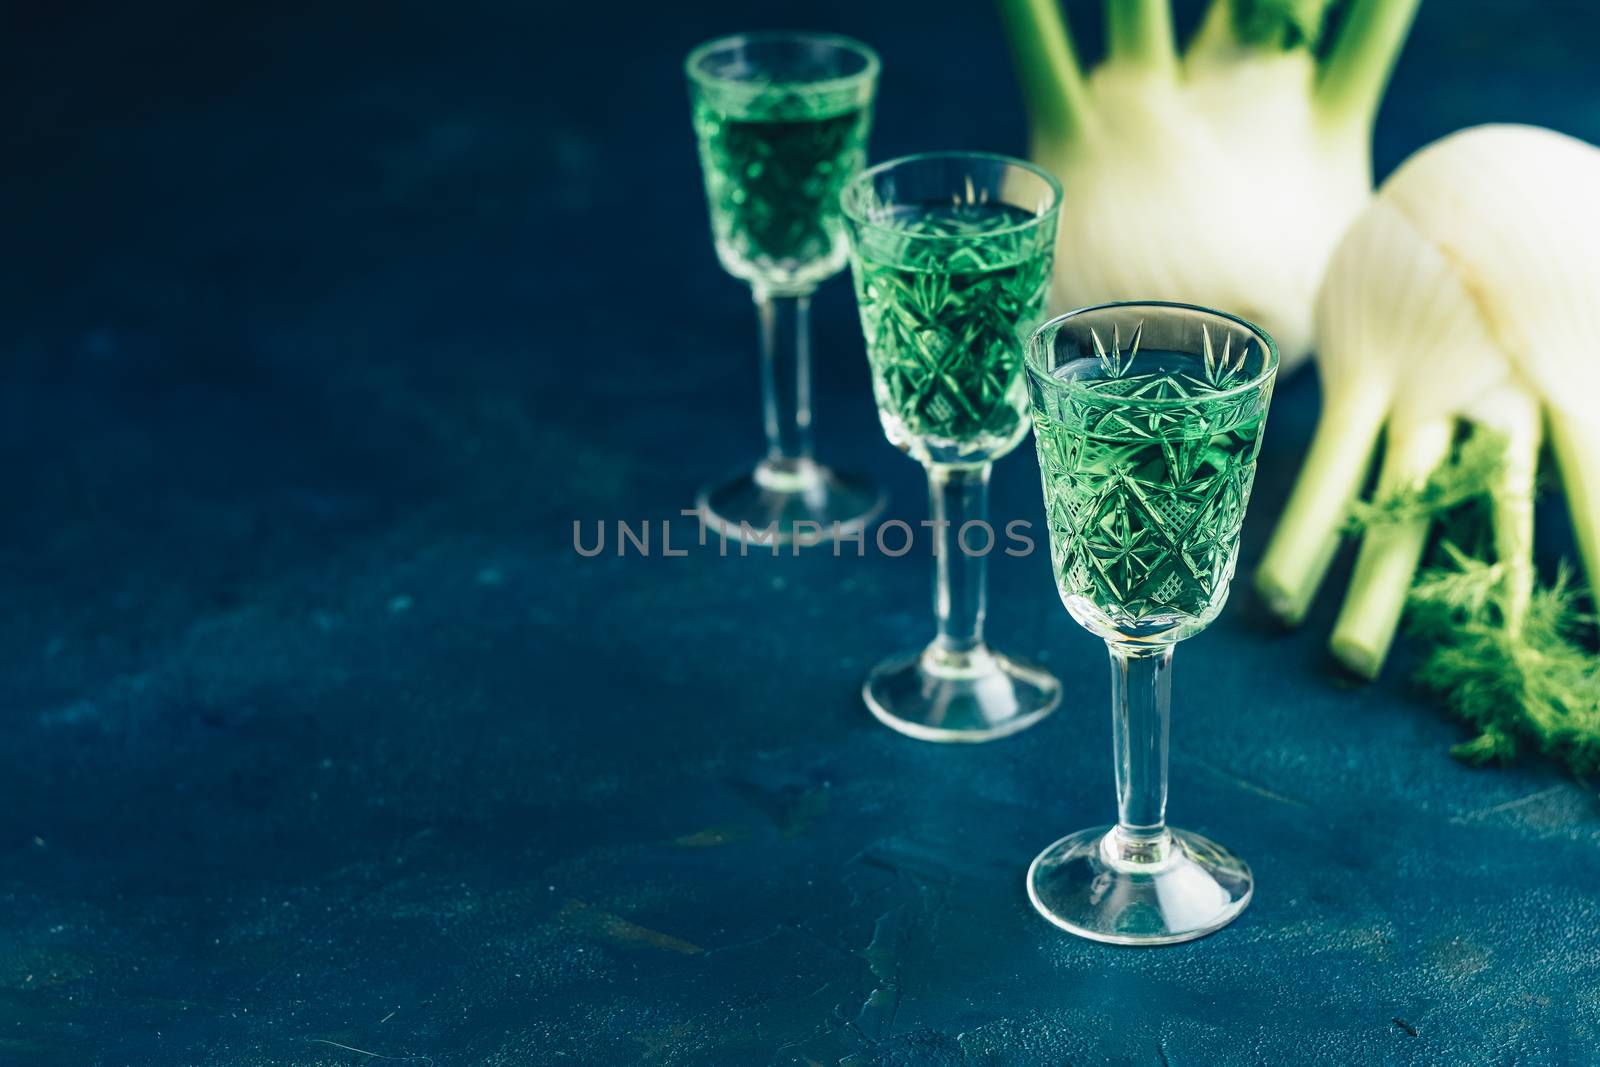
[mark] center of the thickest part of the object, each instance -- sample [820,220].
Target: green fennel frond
[1531,686]
[1539,686]
[1460,592]
[1471,473]
[1281,23]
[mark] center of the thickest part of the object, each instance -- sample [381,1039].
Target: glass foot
[936,695]
[1106,887]
[782,494]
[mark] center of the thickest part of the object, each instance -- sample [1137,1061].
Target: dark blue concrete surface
[321,325]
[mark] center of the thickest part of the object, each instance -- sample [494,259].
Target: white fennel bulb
[1464,302]
[1532,253]
[1223,176]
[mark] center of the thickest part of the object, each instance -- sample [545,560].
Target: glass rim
[851,193]
[691,63]
[1043,375]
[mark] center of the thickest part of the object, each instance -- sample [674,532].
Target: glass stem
[957,496]
[786,376]
[1141,710]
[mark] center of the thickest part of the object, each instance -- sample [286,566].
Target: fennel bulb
[1457,318]
[1222,177]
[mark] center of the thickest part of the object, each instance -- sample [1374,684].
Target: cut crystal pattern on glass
[773,178]
[1147,464]
[1147,452]
[951,254]
[782,122]
[1145,505]
[1223,372]
[946,320]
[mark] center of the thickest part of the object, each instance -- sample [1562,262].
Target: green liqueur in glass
[1148,419]
[1145,503]
[774,163]
[951,253]
[782,122]
[942,321]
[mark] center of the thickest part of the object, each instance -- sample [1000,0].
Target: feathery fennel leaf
[1285,24]
[1470,474]
[1537,685]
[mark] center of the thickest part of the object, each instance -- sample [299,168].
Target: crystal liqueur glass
[782,122]
[1148,418]
[951,255]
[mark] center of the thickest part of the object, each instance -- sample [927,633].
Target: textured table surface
[321,744]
